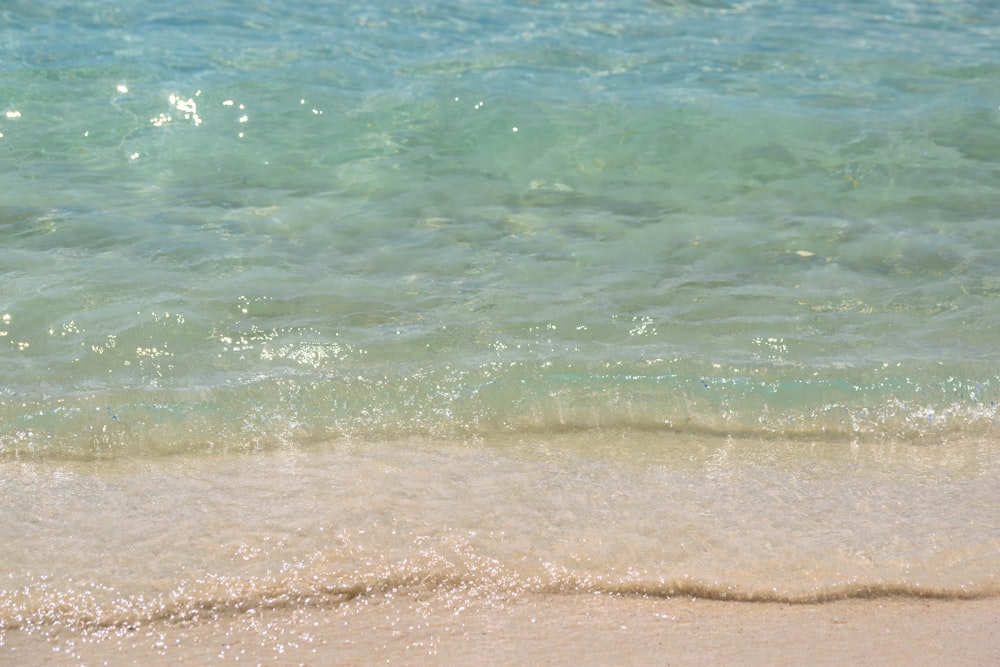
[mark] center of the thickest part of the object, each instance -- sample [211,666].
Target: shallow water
[303,304]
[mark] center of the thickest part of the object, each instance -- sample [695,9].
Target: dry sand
[573,630]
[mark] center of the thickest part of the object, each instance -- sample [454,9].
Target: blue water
[478,215]
[753,243]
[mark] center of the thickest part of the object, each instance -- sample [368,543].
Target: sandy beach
[548,630]
[420,556]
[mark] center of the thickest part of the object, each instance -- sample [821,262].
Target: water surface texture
[303,302]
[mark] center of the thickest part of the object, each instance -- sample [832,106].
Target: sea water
[307,302]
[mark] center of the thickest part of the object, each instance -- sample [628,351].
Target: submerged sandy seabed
[550,629]
[448,555]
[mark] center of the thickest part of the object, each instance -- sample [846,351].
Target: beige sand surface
[545,630]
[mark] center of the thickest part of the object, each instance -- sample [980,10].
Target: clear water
[723,259]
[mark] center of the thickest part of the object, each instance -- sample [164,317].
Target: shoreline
[448,627]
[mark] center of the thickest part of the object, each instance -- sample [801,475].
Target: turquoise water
[326,216]
[306,228]
[455,218]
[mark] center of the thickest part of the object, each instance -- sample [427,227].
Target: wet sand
[413,556]
[574,630]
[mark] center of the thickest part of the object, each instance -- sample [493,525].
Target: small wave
[123,427]
[81,607]
[834,593]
